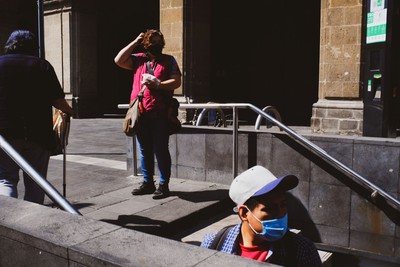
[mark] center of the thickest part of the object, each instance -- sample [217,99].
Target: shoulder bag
[174,124]
[133,114]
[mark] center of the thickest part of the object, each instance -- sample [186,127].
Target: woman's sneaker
[144,189]
[161,192]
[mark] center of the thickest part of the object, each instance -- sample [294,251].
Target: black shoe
[144,189]
[161,192]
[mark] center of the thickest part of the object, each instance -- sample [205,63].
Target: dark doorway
[260,53]
[119,22]
[197,50]
[17,14]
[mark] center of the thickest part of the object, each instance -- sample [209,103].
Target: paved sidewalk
[96,160]
[99,186]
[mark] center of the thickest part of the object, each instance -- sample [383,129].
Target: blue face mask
[273,230]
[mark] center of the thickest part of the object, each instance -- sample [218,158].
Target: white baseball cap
[258,181]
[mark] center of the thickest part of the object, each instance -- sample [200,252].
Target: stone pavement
[99,186]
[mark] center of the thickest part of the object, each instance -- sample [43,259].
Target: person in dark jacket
[263,232]
[29,88]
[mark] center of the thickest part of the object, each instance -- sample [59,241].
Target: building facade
[302,58]
[264,65]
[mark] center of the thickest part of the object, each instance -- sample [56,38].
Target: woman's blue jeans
[153,139]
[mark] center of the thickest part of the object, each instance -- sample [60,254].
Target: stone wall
[57,32]
[340,46]
[171,25]
[337,117]
[35,235]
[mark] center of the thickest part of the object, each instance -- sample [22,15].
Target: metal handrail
[268,109]
[375,190]
[37,178]
[205,110]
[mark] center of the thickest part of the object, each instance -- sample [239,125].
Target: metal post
[64,167]
[37,178]
[235,141]
[134,158]
[40,28]
[65,135]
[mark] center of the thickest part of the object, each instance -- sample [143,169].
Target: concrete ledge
[36,235]
[339,104]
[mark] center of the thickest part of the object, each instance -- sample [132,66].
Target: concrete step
[190,202]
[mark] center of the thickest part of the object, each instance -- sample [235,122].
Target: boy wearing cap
[263,233]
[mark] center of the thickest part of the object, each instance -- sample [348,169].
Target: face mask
[273,230]
[155,49]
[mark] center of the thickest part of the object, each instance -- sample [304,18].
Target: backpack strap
[220,238]
[287,247]
[291,249]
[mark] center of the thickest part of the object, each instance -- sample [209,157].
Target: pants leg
[38,157]
[9,172]
[145,145]
[153,139]
[161,149]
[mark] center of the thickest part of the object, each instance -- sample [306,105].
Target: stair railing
[376,193]
[49,190]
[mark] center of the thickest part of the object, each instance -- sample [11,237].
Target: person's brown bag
[132,117]
[60,131]
[174,124]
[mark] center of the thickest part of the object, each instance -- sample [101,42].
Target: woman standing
[152,135]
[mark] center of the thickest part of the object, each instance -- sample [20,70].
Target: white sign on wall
[376,22]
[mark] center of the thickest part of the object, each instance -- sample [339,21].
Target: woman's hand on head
[139,38]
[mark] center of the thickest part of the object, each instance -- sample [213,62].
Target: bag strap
[140,95]
[151,71]
[149,68]
[220,238]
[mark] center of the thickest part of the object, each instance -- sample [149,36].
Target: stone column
[339,109]
[57,41]
[171,25]
[71,45]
